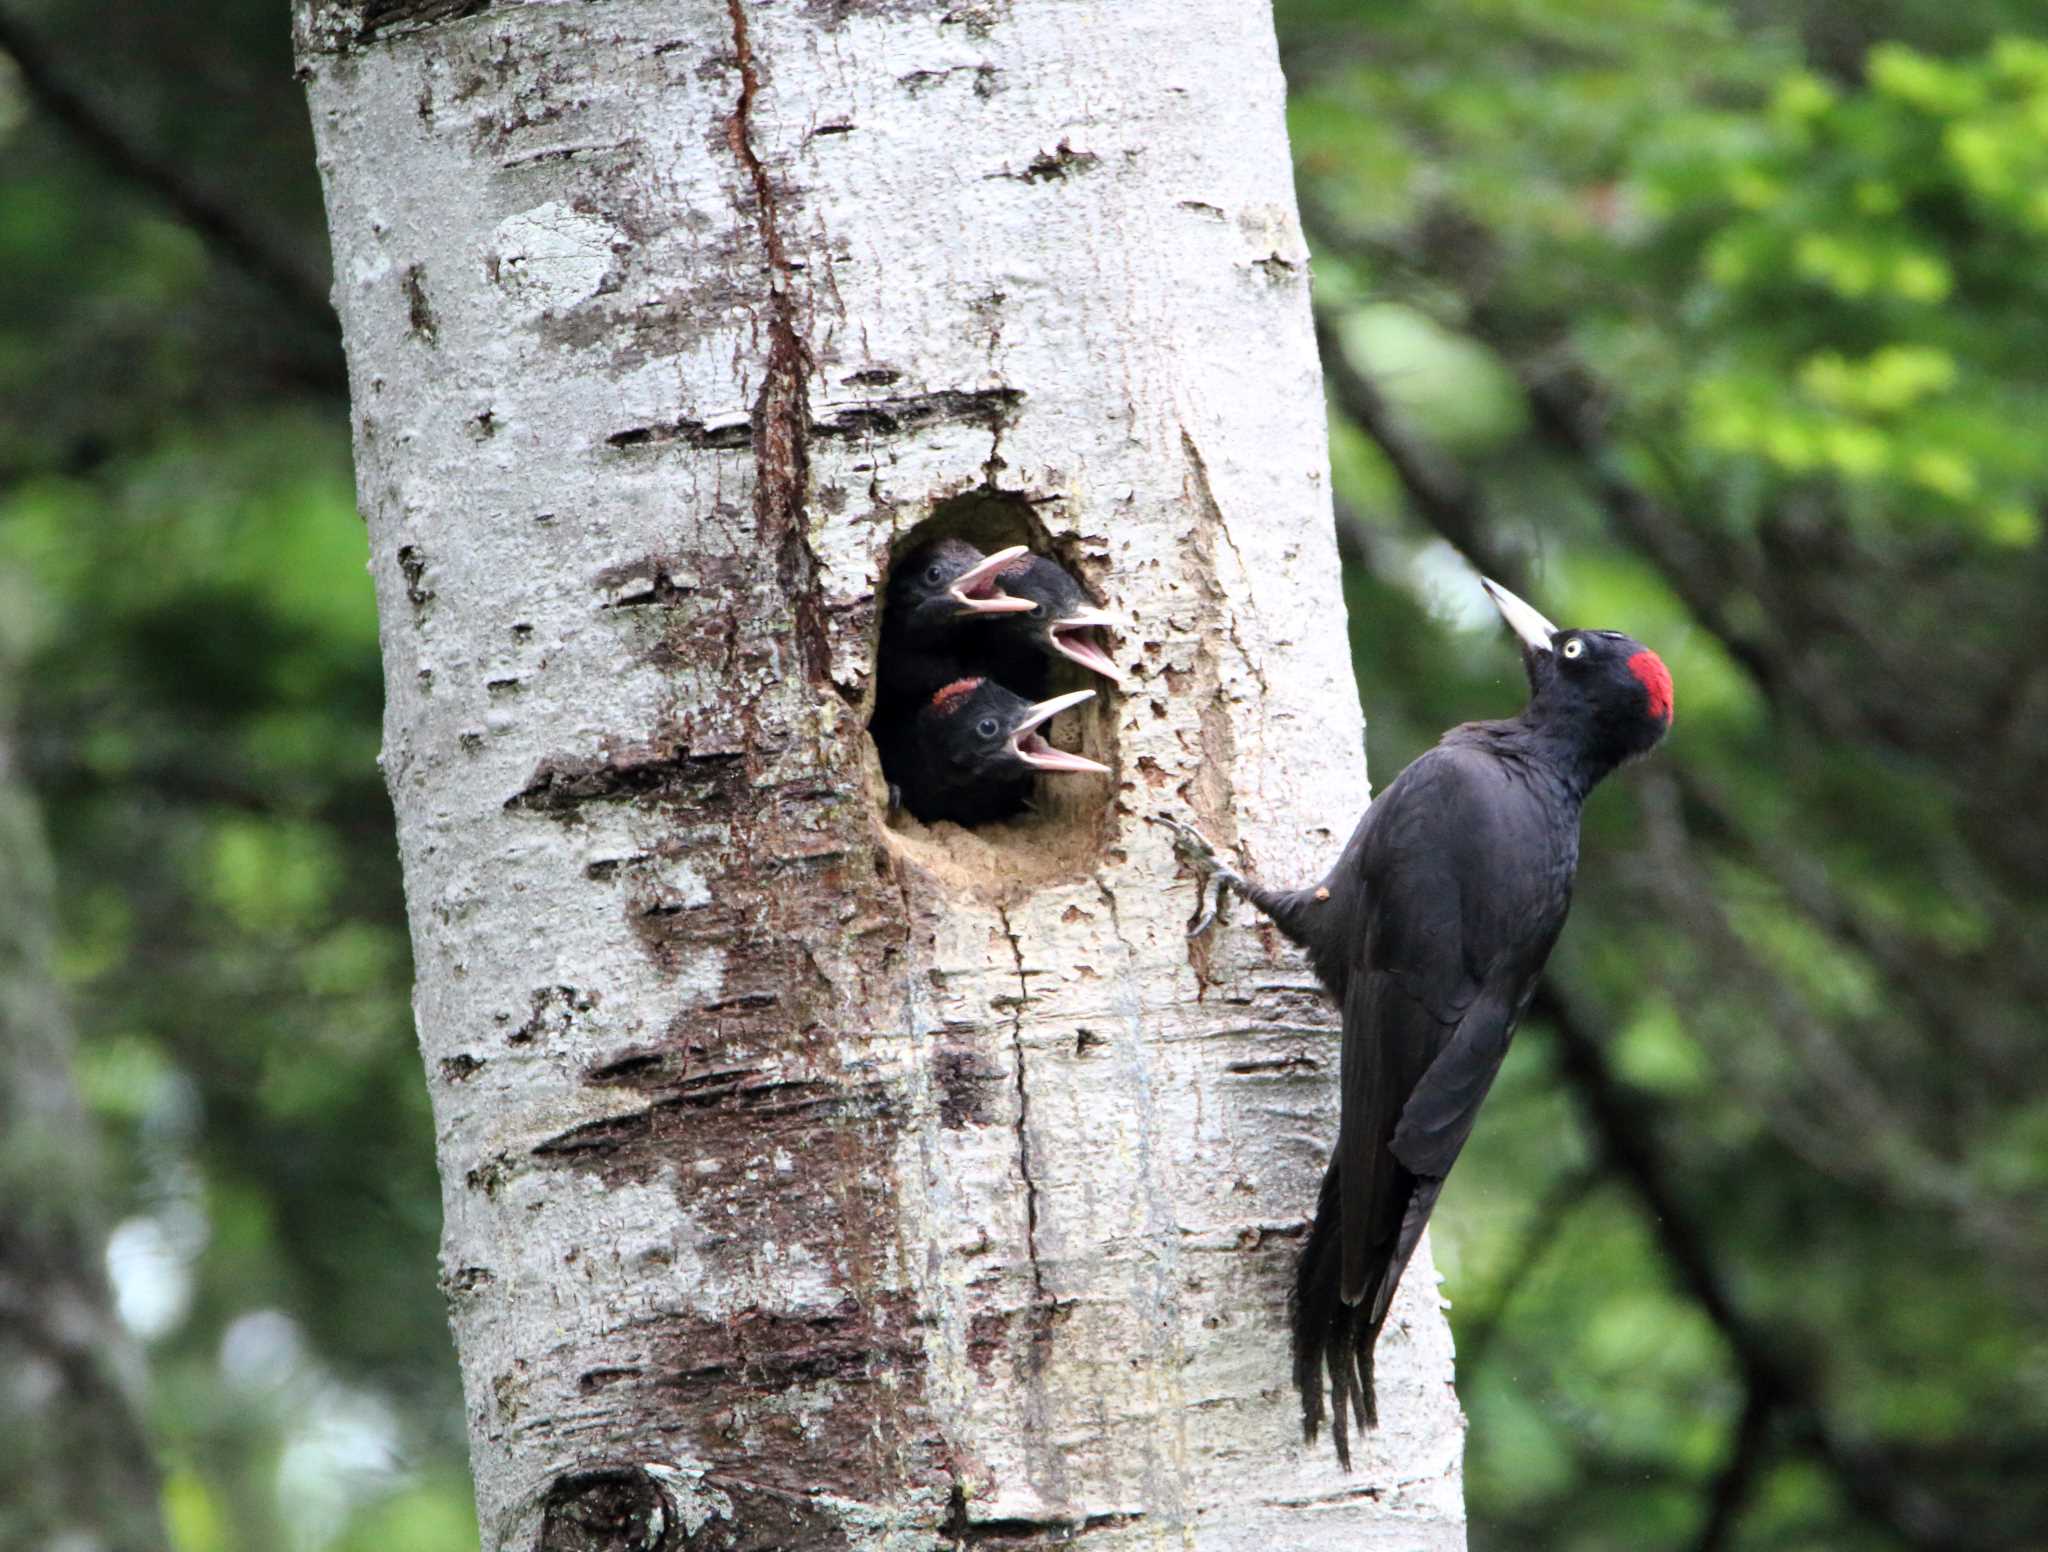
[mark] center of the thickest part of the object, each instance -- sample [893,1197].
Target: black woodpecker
[1430,933]
[953,616]
[973,749]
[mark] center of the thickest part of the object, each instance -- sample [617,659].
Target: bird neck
[1561,751]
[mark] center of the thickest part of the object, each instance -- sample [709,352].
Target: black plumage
[941,596]
[937,598]
[1430,933]
[973,749]
[1061,621]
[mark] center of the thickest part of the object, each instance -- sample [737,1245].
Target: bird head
[1062,619]
[947,581]
[985,732]
[1611,693]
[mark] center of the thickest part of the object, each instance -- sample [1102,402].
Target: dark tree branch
[1567,409]
[1565,406]
[1901,960]
[1433,482]
[1563,410]
[1624,1134]
[256,252]
[1864,1136]
[1747,1454]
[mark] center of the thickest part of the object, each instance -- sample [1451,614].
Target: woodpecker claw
[1201,858]
[1213,910]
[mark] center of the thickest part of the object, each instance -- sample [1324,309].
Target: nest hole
[1069,817]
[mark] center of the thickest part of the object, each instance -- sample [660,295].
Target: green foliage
[204,692]
[1866,278]
[200,709]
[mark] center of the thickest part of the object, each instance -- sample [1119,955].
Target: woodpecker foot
[1207,864]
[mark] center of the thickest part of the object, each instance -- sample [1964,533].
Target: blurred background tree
[1723,323]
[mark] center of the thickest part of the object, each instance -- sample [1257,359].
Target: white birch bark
[812,1180]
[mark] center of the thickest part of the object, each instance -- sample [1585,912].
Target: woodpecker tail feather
[1331,1336]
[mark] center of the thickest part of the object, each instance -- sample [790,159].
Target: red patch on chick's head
[1656,680]
[953,694]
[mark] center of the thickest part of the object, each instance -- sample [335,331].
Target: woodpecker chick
[1054,619]
[1429,933]
[942,590]
[973,750]
[939,598]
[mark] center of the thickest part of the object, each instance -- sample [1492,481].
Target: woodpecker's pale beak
[1535,631]
[1069,641]
[975,591]
[1035,751]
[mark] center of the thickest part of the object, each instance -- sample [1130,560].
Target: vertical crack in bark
[1040,1297]
[1209,515]
[782,412]
[992,469]
[1211,790]
[1130,1009]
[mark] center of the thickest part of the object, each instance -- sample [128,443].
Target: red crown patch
[1656,679]
[951,695]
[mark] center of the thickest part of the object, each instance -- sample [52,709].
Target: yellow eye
[1574,648]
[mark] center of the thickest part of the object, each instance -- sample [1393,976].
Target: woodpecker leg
[1293,911]
[1195,849]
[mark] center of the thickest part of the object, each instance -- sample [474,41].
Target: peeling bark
[813,1178]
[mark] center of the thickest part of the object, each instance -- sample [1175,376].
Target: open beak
[1034,751]
[1070,642]
[975,591]
[1524,621]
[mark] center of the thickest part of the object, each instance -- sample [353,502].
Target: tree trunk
[812,1178]
[75,1466]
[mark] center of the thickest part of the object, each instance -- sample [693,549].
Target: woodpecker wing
[1464,894]
[1444,1104]
[1390,1039]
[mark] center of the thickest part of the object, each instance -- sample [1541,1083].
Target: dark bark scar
[782,412]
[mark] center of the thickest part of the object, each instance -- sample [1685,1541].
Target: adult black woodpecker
[973,750]
[1430,933]
[1058,620]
